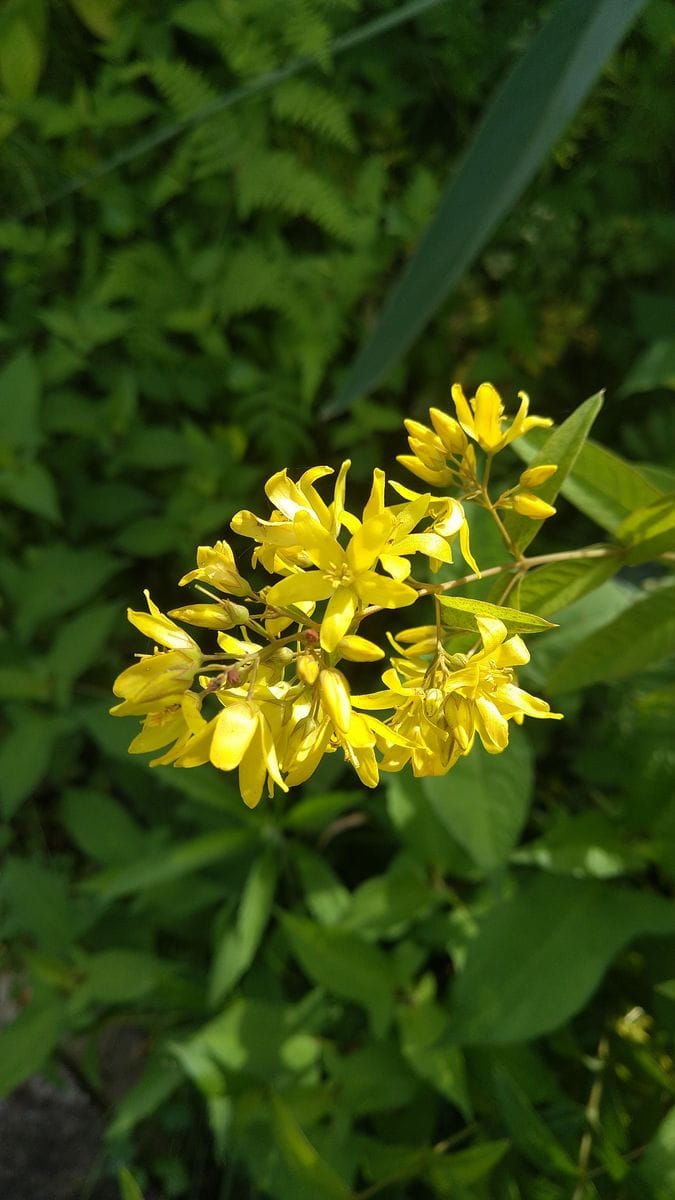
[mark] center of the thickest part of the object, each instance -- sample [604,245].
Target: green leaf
[303,1158]
[101,828]
[460,613]
[655,368]
[423,1031]
[456,1171]
[654,1177]
[371,1079]
[606,488]
[20,403]
[345,964]
[485,799]
[386,905]
[118,976]
[129,1189]
[238,946]
[39,903]
[325,895]
[541,953]
[314,813]
[529,1132]
[58,579]
[170,863]
[25,755]
[30,487]
[518,130]
[641,635]
[586,844]
[77,645]
[551,588]
[26,1044]
[563,446]
[649,531]
[255,1038]
[161,1076]
[21,56]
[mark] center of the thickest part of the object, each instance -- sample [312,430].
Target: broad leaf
[606,488]
[169,864]
[28,1041]
[519,129]
[551,588]
[460,613]
[540,954]
[485,799]
[649,531]
[423,1030]
[641,635]
[345,964]
[302,1158]
[529,1132]
[238,946]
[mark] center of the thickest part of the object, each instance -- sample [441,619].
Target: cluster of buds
[273,698]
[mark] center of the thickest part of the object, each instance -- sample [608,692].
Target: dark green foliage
[412,994]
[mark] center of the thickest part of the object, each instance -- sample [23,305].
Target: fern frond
[276,180]
[275,425]
[253,280]
[301,102]
[184,88]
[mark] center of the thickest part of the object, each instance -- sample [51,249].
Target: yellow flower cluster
[272,699]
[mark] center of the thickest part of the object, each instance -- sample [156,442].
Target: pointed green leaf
[129,1189]
[518,131]
[643,634]
[460,613]
[654,1177]
[169,864]
[649,531]
[450,1174]
[28,1041]
[20,403]
[539,954]
[551,588]
[345,964]
[529,1132]
[303,1158]
[238,946]
[606,488]
[563,447]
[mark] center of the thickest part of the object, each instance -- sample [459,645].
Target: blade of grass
[524,121]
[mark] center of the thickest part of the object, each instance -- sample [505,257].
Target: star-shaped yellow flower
[482,417]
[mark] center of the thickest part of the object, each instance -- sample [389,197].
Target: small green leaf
[529,1132]
[26,1044]
[56,580]
[371,1079]
[30,487]
[101,828]
[423,1030]
[540,954]
[450,1174]
[643,634]
[485,799]
[325,896]
[239,945]
[655,368]
[20,403]
[21,55]
[118,976]
[25,756]
[649,531]
[77,645]
[129,1189]
[169,864]
[386,905]
[316,812]
[563,447]
[345,964]
[161,1076]
[40,905]
[654,1176]
[303,1158]
[460,613]
[551,588]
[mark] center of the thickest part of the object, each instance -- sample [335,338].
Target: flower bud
[534,476]
[334,691]
[308,669]
[529,505]
[311,637]
[212,616]
[359,649]
[449,431]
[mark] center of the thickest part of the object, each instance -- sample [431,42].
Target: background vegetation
[456,988]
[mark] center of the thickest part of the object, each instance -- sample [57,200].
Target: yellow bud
[212,616]
[334,691]
[307,668]
[449,431]
[359,649]
[534,476]
[529,505]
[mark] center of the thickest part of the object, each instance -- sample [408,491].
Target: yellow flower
[434,450]
[345,578]
[448,522]
[163,674]
[279,550]
[529,505]
[242,737]
[223,615]
[216,565]
[439,707]
[482,417]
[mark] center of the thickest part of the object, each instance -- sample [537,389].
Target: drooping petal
[492,727]
[233,732]
[398,568]
[492,632]
[158,627]
[488,412]
[338,616]
[464,414]
[439,478]
[334,692]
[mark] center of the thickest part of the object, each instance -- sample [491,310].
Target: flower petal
[338,617]
[305,585]
[232,735]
